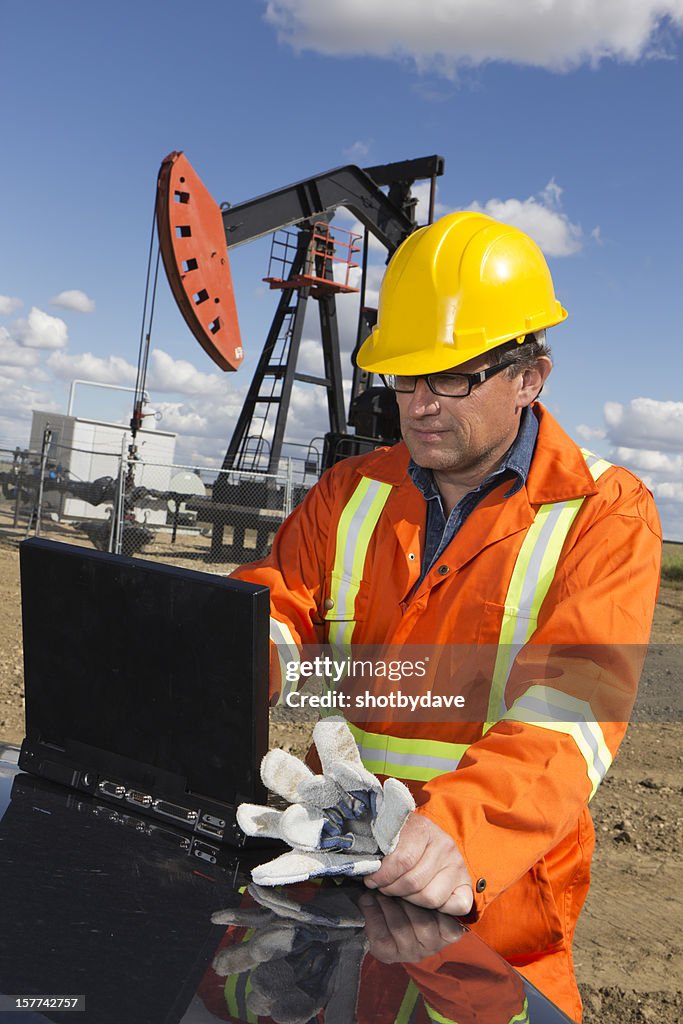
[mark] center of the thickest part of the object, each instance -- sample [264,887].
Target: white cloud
[357,152]
[647,460]
[646,436]
[587,433]
[178,376]
[307,414]
[181,419]
[669,498]
[18,373]
[40,330]
[204,423]
[539,216]
[12,354]
[310,357]
[17,402]
[86,366]
[670,492]
[74,299]
[9,305]
[444,35]
[645,423]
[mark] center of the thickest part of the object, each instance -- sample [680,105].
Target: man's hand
[401,933]
[427,869]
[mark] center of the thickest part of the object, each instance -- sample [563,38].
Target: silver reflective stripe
[438,764]
[288,654]
[553,709]
[354,532]
[595,463]
[416,759]
[530,582]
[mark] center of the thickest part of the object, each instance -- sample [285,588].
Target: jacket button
[442,570]
[328,604]
[481,884]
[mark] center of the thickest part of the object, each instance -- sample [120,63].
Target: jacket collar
[558,469]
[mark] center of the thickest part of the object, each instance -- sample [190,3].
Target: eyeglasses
[446,385]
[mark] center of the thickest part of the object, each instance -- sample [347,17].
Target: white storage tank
[89,449]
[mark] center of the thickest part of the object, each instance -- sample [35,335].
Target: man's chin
[431,458]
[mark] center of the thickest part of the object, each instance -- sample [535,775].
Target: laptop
[146,685]
[107,905]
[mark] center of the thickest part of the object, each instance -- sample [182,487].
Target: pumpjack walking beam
[194,233]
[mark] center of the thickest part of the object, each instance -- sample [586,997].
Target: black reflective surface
[107,904]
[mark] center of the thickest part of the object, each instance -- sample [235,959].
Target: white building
[89,449]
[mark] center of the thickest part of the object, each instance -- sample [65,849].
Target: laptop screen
[150,669]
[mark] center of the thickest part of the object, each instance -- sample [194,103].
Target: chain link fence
[185,515]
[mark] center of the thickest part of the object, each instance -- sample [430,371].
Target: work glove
[300,957]
[339,823]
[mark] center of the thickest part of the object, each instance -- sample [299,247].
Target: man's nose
[423,401]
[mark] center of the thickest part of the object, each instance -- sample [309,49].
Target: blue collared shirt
[441,531]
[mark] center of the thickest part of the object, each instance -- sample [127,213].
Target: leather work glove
[300,957]
[339,823]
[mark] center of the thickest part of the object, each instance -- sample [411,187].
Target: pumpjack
[310,259]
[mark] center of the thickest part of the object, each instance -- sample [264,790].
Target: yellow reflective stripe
[287,652]
[418,759]
[236,991]
[596,465]
[230,993]
[531,578]
[252,1018]
[408,1003]
[523,1016]
[354,530]
[519,1018]
[553,709]
[438,1017]
[532,575]
[550,558]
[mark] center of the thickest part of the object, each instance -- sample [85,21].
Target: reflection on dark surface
[156,928]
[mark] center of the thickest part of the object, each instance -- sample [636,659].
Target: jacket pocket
[346,599]
[492,617]
[523,921]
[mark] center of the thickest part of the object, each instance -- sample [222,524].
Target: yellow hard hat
[455,289]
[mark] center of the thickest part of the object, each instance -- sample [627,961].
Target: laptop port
[112,789]
[204,852]
[210,819]
[175,811]
[133,796]
[209,830]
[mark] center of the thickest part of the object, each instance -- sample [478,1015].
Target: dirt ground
[629,945]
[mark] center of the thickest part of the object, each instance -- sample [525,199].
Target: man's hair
[525,355]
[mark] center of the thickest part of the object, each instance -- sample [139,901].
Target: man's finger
[459,903]
[430,889]
[397,864]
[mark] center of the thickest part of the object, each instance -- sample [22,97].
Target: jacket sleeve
[294,571]
[520,789]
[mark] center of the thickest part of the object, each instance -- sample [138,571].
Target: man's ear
[532,379]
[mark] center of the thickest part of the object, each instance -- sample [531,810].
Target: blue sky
[562,119]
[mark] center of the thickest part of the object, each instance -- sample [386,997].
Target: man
[487,525]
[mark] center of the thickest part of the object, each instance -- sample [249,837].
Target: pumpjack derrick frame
[195,236]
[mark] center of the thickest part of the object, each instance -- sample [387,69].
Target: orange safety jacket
[568,564]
